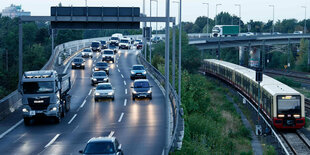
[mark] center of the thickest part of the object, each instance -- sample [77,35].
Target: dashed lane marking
[72,119]
[52,141]
[121,117]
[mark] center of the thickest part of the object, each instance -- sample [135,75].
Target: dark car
[102,66]
[78,63]
[99,77]
[141,89]
[103,145]
[103,44]
[139,45]
[137,72]
[96,46]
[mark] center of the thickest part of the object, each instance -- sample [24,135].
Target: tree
[302,59]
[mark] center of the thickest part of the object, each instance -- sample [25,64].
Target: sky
[250,9]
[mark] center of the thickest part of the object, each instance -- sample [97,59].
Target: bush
[289,82]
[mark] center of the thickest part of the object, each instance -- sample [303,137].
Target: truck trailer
[225,30]
[45,94]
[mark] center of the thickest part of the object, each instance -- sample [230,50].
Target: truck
[44,94]
[225,30]
[115,38]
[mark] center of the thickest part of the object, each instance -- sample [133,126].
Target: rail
[178,121]
[297,142]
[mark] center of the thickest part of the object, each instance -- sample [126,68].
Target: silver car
[104,91]
[99,77]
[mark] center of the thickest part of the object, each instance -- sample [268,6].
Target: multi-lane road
[139,125]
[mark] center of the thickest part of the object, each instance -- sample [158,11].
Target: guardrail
[177,112]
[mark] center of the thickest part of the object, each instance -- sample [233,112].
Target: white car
[87,53]
[125,43]
[104,91]
[108,55]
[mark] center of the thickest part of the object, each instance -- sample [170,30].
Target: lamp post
[239,5]
[156,13]
[216,12]
[272,18]
[305,26]
[207,17]
[143,31]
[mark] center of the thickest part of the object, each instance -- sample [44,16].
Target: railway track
[298,143]
[298,76]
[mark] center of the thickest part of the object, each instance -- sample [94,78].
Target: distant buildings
[14,11]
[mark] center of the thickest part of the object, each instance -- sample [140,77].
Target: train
[283,106]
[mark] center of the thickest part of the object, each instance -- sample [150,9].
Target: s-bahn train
[281,104]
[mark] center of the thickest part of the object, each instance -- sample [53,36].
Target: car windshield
[141,84]
[86,50]
[103,42]
[289,104]
[101,64]
[99,148]
[104,87]
[94,44]
[138,41]
[38,87]
[137,68]
[108,52]
[100,74]
[114,38]
[78,60]
[124,41]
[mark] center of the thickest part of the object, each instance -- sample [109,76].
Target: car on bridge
[102,66]
[99,77]
[137,72]
[141,89]
[103,145]
[87,53]
[104,91]
[136,42]
[139,45]
[96,46]
[78,63]
[108,55]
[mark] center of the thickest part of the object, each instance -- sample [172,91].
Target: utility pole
[239,5]
[272,18]
[173,56]
[166,151]
[7,59]
[143,31]
[305,25]
[216,13]
[150,56]
[20,52]
[85,2]
[207,17]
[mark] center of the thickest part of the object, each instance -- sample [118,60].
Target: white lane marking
[72,118]
[122,75]
[125,83]
[116,65]
[75,128]
[125,102]
[118,70]
[111,134]
[12,128]
[121,117]
[82,105]
[90,92]
[125,91]
[52,141]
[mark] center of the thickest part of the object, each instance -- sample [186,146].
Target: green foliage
[302,59]
[270,150]
[289,82]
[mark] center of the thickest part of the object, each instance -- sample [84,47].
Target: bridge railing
[177,112]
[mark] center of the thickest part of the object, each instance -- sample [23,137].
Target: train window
[289,104]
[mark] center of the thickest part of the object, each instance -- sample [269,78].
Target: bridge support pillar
[241,55]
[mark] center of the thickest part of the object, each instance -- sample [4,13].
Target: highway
[138,125]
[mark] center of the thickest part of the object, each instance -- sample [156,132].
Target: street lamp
[305,26]
[216,13]
[272,18]
[239,5]
[207,17]
[156,13]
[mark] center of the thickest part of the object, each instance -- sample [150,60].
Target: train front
[290,112]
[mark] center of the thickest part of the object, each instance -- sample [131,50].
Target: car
[87,53]
[78,63]
[99,77]
[156,39]
[96,46]
[276,33]
[102,66]
[114,41]
[141,89]
[103,44]
[298,32]
[139,45]
[137,72]
[104,91]
[108,55]
[136,42]
[103,145]
[124,43]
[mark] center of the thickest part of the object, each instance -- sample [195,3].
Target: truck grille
[39,103]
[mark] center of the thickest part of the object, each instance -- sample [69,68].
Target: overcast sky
[250,9]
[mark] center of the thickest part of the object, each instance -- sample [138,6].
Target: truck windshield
[114,38]
[38,87]
[288,104]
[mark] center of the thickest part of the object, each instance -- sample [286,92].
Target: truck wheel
[27,121]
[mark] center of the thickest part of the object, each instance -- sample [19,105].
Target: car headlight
[25,110]
[149,91]
[97,94]
[94,79]
[73,64]
[53,109]
[112,56]
[83,53]
[106,79]
[110,93]
[96,69]
[103,56]
[132,72]
[134,92]
[83,63]
[144,72]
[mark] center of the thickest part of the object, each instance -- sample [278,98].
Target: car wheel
[96,99]
[151,97]
[27,121]
[57,119]
[72,67]
[133,98]
[83,67]
[131,78]
[113,98]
